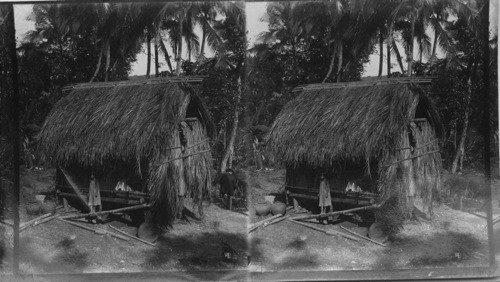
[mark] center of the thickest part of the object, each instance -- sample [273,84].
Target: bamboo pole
[97,231]
[6,223]
[363,237]
[28,223]
[138,207]
[182,157]
[372,207]
[421,146]
[75,188]
[276,220]
[190,146]
[44,220]
[259,223]
[131,236]
[411,158]
[327,232]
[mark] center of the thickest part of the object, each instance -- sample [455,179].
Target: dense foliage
[305,42]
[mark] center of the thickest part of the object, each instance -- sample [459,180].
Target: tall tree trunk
[381,48]
[98,63]
[389,40]
[148,65]
[339,67]
[398,56]
[179,44]
[157,63]
[421,49]
[189,49]
[434,44]
[15,134]
[410,53]
[332,62]
[108,60]
[203,39]
[165,52]
[225,163]
[257,154]
[465,126]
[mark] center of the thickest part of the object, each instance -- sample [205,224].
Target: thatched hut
[152,135]
[380,136]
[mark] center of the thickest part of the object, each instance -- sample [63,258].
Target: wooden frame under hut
[372,142]
[121,144]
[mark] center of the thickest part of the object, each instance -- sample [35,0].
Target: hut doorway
[349,185]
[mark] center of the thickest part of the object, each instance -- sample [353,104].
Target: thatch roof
[105,122]
[327,123]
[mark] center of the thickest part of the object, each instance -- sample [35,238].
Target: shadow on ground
[67,258]
[440,250]
[297,255]
[3,251]
[202,251]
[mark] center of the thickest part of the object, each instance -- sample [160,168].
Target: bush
[468,185]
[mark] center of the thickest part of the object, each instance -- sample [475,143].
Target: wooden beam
[24,225]
[335,199]
[327,232]
[385,81]
[259,223]
[372,207]
[131,236]
[105,199]
[361,236]
[75,188]
[138,207]
[419,120]
[160,80]
[182,157]
[97,231]
[411,158]
[126,194]
[347,193]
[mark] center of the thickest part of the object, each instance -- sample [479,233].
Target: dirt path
[452,239]
[57,247]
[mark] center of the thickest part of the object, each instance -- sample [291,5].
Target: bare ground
[57,247]
[453,239]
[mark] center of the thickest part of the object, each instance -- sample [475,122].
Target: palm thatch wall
[138,125]
[328,126]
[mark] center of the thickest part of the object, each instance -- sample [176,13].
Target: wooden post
[75,188]
[178,163]
[65,204]
[296,206]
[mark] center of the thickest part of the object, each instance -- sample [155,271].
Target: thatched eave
[106,122]
[353,122]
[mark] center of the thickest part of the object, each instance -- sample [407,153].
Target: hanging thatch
[327,126]
[357,122]
[101,126]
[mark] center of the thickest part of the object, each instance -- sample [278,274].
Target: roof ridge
[384,81]
[160,80]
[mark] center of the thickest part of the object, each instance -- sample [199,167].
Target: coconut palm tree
[413,18]
[229,44]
